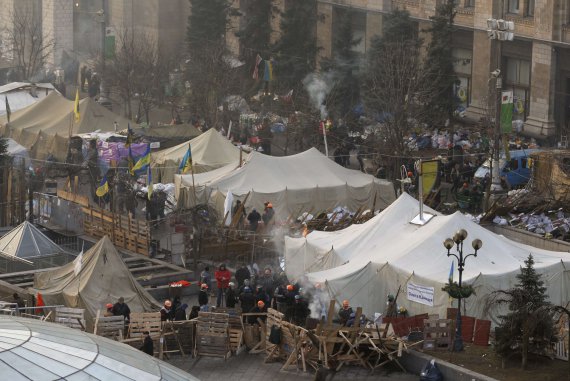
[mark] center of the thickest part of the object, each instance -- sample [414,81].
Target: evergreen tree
[296,49]
[439,65]
[528,326]
[208,70]
[344,68]
[255,35]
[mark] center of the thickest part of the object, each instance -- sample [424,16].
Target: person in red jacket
[223,277]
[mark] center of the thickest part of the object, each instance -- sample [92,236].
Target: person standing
[206,277]
[223,277]
[268,214]
[253,218]
[121,308]
[231,296]
[344,313]
[203,297]
[247,300]
[166,312]
[180,313]
[241,275]
[268,283]
[148,345]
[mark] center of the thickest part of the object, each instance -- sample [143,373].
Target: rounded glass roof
[35,350]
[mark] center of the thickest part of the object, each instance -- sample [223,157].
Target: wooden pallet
[111,327]
[70,317]
[212,335]
[438,334]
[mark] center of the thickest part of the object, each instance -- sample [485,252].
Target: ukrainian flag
[186,163]
[143,162]
[76,107]
[103,187]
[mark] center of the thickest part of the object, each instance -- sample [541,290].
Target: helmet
[204,286]
[269,205]
[168,303]
[260,304]
[290,287]
[109,305]
[232,284]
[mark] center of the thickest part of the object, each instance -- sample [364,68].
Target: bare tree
[25,44]
[136,72]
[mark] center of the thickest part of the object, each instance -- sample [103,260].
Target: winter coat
[203,298]
[223,278]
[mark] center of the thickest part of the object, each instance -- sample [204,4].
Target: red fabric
[182,283]
[39,303]
[223,278]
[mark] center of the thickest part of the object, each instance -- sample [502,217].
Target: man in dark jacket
[253,218]
[241,275]
[247,300]
[345,312]
[148,346]
[300,311]
[180,314]
[258,309]
[167,312]
[203,297]
[267,281]
[122,309]
[231,296]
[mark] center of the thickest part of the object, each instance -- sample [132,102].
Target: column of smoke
[317,298]
[318,86]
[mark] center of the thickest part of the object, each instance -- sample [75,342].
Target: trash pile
[550,224]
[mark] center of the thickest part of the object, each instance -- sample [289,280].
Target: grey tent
[27,245]
[95,278]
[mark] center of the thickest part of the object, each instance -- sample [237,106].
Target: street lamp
[457,241]
[498,30]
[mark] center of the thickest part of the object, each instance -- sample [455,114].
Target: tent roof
[271,174]
[54,115]
[210,148]
[35,350]
[27,242]
[184,131]
[391,238]
[102,277]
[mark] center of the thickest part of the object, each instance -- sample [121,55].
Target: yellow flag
[76,107]
[430,175]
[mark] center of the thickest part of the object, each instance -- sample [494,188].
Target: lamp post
[457,241]
[498,31]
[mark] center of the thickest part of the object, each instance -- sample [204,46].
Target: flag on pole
[268,72]
[103,187]
[149,182]
[507,112]
[186,163]
[129,137]
[258,60]
[76,108]
[8,111]
[143,162]
[78,263]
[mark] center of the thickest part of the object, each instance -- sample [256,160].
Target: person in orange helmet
[268,213]
[258,309]
[109,311]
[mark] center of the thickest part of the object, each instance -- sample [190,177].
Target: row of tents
[366,263]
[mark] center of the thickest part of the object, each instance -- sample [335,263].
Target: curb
[414,362]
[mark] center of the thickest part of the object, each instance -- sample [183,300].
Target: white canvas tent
[18,152]
[209,151]
[101,278]
[27,242]
[293,184]
[364,263]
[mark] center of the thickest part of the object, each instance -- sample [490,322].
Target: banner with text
[420,294]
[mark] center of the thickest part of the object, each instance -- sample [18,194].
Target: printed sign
[420,294]
[155,145]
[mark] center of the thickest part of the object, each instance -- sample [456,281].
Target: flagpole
[193,184]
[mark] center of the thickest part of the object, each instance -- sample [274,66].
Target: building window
[469,3]
[529,8]
[518,80]
[513,6]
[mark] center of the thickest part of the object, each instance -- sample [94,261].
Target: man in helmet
[109,311]
[231,296]
[258,309]
[166,312]
[121,308]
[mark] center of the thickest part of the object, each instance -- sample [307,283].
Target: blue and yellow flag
[149,182]
[103,187]
[186,163]
[143,162]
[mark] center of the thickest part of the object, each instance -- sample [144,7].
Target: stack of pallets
[438,334]
[212,335]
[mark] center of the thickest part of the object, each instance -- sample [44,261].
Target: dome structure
[36,350]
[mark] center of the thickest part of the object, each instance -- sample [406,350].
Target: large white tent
[364,263]
[293,184]
[209,151]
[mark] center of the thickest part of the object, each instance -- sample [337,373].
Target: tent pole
[420,189]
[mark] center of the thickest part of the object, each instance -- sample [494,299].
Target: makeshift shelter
[38,350]
[23,94]
[41,126]
[293,184]
[25,247]
[95,278]
[364,263]
[209,151]
[551,175]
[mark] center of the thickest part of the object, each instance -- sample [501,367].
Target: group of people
[254,217]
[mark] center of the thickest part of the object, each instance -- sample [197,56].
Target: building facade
[535,66]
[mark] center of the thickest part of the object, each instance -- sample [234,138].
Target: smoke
[317,297]
[319,85]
